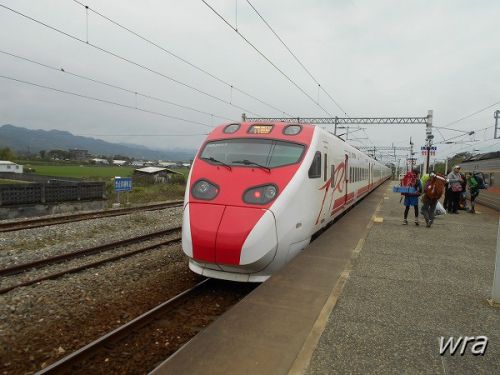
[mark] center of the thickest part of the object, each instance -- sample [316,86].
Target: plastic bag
[439,209]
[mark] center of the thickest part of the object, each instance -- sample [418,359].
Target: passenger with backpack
[411,199]
[473,191]
[478,176]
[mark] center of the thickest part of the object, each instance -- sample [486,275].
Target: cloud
[384,58]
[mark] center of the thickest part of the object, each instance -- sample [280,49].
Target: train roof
[489,155]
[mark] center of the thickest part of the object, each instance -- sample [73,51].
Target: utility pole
[429,137]
[496,116]
[410,168]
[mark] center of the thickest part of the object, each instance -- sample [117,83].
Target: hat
[456,167]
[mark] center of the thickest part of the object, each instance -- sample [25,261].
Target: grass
[86,172]
[150,193]
[5,181]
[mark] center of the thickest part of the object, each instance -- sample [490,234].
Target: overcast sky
[376,58]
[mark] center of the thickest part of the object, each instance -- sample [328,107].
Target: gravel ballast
[44,322]
[30,244]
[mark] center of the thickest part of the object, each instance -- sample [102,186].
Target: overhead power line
[176,56]
[295,57]
[66,71]
[144,67]
[266,58]
[103,101]
[473,114]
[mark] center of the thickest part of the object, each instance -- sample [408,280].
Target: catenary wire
[144,67]
[294,56]
[176,56]
[64,70]
[103,101]
[473,114]
[267,59]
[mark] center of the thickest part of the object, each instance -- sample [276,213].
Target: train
[488,165]
[257,192]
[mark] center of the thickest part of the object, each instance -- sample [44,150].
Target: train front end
[229,228]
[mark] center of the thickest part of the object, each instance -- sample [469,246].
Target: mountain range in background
[28,140]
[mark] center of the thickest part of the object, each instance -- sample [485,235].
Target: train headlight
[205,190]
[260,194]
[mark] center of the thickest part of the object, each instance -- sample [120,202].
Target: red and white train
[258,192]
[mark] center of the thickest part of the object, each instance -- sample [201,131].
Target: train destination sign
[260,129]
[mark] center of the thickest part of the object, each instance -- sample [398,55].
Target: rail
[42,222]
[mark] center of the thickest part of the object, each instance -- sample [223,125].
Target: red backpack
[409,179]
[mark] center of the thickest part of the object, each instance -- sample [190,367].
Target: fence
[17,194]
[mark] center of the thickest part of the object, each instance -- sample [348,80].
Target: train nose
[230,236]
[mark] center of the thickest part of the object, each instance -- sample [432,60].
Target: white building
[99,161]
[119,162]
[8,166]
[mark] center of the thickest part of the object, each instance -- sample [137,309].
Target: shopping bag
[439,209]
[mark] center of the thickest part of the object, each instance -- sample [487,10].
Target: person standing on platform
[446,192]
[463,195]
[473,190]
[412,199]
[455,189]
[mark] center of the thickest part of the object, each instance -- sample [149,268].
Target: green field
[87,172]
[4,181]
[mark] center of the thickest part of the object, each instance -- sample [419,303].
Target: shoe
[405,222]
[428,225]
[417,223]
[455,212]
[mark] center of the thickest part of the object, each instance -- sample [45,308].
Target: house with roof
[10,167]
[155,175]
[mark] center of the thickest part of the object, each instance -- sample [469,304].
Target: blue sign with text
[123,183]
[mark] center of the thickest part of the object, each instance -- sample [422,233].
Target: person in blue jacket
[412,199]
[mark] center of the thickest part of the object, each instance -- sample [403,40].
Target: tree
[7,154]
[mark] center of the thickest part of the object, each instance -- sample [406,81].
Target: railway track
[132,347]
[37,264]
[43,222]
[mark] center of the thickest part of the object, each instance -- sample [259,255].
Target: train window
[232,128]
[248,152]
[285,153]
[292,130]
[325,170]
[332,177]
[315,168]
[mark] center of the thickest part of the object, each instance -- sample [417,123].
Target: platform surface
[410,286]
[369,296]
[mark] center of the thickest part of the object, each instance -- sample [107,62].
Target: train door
[346,180]
[369,175]
[325,212]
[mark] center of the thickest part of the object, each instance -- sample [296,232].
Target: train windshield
[265,152]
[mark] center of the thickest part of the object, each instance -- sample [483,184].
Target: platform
[368,296]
